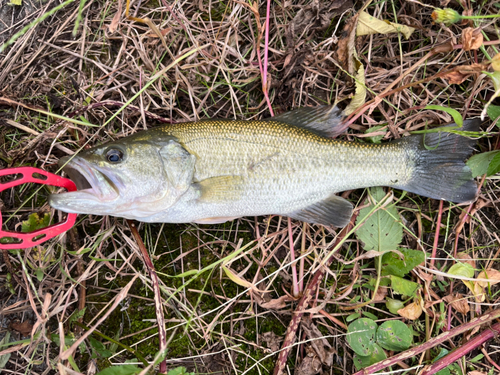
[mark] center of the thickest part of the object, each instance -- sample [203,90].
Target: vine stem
[447,360]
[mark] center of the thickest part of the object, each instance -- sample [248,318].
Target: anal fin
[215,220]
[334,211]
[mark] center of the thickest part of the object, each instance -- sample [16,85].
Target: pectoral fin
[178,164]
[221,188]
[334,211]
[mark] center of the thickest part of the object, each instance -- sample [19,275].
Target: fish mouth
[96,189]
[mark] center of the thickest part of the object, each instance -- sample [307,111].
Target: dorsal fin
[325,120]
[333,210]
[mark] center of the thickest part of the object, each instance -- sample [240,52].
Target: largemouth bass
[212,171]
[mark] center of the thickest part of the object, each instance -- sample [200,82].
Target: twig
[307,297]
[162,335]
[477,341]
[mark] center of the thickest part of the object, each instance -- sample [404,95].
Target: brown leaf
[346,47]
[493,277]
[381,293]
[458,302]
[116,19]
[310,365]
[272,340]
[461,73]
[319,350]
[412,311]
[471,38]
[277,303]
[466,258]
[23,328]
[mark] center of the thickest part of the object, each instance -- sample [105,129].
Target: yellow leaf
[495,62]
[493,277]
[237,279]
[368,25]
[360,95]
[412,311]
[16,2]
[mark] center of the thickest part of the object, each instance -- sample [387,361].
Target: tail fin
[439,169]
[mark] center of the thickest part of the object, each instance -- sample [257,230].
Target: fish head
[126,178]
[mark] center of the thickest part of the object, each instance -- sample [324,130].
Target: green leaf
[100,348]
[361,336]
[394,335]
[39,274]
[457,117]
[376,138]
[392,264]
[370,315]
[120,370]
[402,286]
[180,371]
[493,112]
[494,166]
[377,355]
[462,269]
[393,305]
[479,163]
[351,317]
[382,230]
[5,357]
[35,222]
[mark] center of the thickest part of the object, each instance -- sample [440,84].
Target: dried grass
[213,324]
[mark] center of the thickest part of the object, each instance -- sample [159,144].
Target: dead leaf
[493,277]
[314,17]
[346,45]
[162,32]
[471,38]
[411,311]
[321,347]
[277,303]
[368,25]
[310,365]
[272,340]
[460,73]
[466,258]
[360,94]
[23,328]
[458,302]
[476,373]
[381,293]
[116,19]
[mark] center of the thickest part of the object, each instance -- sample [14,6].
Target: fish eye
[114,155]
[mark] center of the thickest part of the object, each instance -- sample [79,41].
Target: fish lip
[89,179]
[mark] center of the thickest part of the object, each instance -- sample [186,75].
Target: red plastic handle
[39,176]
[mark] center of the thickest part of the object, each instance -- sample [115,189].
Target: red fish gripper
[37,176]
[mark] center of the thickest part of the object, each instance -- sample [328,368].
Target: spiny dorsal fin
[334,210]
[324,120]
